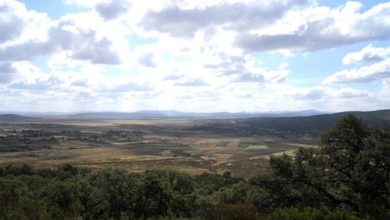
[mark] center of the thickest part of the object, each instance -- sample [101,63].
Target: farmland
[136,145]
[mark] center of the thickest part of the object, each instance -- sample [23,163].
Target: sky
[194,56]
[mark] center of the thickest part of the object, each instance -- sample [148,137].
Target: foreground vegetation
[347,177]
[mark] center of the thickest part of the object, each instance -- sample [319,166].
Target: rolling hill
[299,122]
[380,118]
[13,117]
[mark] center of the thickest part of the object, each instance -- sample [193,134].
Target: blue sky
[202,56]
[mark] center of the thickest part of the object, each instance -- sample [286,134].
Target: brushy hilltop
[302,126]
[346,178]
[320,123]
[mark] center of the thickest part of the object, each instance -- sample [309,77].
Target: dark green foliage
[318,123]
[347,178]
[350,170]
[237,212]
[112,191]
[311,214]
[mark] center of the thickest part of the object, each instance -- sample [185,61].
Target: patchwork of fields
[138,145]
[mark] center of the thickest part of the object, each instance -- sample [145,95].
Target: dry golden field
[138,145]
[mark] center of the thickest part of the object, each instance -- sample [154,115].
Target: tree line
[346,178]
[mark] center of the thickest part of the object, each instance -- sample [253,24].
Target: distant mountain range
[164,114]
[184,115]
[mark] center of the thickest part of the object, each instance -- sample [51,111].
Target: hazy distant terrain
[12,117]
[163,114]
[194,145]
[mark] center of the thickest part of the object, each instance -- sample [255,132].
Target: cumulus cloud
[367,54]
[79,83]
[173,77]
[82,46]
[7,68]
[24,51]
[293,26]
[186,55]
[126,87]
[182,80]
[310,94]
[112,9]
[96,51]
[324,93]
[191,82]
[88,85]
[348,93]
[361,74]
[147,60]
[85,3]
[11,22]
[17,23]
[72,33]
[322,28]
[7,72]
[43,85]
[184,22]
[378,66]
[386,84]
[246,69]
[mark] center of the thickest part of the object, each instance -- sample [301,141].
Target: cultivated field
[192,146]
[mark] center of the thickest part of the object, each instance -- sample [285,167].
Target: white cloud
[18,24]
[310,94]
[7,72]
[348,93]
[322,94]
[147,60]
[321,27]
[112,9]
[11,22]
[188,55]
[367,54]
[183,20]
[375,65]
[192,82]
[84,35]
[286,26]
[182,80]
[325,98]
[85,3]
[246,68]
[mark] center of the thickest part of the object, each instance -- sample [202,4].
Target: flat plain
[192,146]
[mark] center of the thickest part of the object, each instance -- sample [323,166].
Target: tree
[350,170]
[153,195]
[115,192]
[356,160]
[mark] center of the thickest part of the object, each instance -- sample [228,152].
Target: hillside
[380,118]
[287,127]
[12,117]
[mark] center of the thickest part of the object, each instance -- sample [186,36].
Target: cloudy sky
[186,55]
